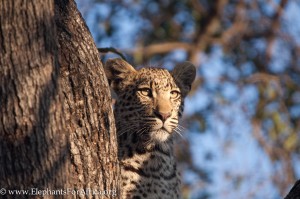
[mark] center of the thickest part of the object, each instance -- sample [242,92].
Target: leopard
[149,103]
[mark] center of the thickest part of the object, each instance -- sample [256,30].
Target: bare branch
[159,48]
[113,50]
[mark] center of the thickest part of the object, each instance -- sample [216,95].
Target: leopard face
[150,100]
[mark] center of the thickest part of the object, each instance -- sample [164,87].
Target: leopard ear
[184,74]
[116,70]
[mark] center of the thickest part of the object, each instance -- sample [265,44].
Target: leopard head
[150,100]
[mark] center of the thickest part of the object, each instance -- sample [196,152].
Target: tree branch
[159,48]
[113,50]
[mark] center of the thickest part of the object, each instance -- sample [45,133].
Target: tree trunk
[88,110]
[57,129]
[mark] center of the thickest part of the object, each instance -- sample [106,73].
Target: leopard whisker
[142,130]
[178,132]
[126,130]
[182,128]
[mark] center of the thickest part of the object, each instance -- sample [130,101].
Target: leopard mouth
[160,132]
[167,126]
[164,129]
[160,126]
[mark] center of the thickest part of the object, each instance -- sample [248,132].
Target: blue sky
[239,167]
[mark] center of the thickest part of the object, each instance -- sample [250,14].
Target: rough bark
[89,115]
[33,143]
[56,124]
[295,191]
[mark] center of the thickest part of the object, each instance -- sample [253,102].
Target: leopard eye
[175,94]
[145,92]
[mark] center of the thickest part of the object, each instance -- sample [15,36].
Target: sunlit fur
[149,104]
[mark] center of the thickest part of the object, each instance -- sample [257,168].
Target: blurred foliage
[259,39]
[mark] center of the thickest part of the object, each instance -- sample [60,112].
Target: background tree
[56,123]
[247,91]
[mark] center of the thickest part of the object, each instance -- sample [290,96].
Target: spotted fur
[149,104]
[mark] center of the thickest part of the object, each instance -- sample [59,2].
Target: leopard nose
[161,115]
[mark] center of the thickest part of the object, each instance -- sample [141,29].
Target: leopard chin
[160,135]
